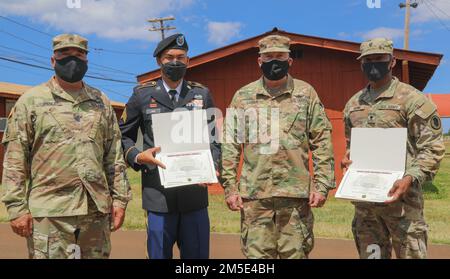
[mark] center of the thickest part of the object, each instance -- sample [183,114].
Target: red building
[329,65]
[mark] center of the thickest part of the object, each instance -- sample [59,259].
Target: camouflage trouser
[377,228]
[84,236]
[277,228]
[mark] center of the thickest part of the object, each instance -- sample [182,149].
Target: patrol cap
[376,46]
[70,40]
[176,41]
[274,43]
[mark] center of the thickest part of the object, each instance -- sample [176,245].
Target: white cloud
[383,32]
[430,10]
[390,33]
[113,19]
[343,35]
[220,33]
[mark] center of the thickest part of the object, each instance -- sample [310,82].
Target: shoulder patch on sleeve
[425,110]
[435,122]
[195,84]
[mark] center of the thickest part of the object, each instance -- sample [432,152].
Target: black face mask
[71,69]
[376,71]
[174,70]
[275,69]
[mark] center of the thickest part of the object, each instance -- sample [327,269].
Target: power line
[121,52]
[101,87]
[113,69]
[47,34]
[428,5]
[20,70]
[95,66]
[50,69]
[14,56]
[437,7]
[26,26]
[52,35]
[109,69]
[114,92]
[22,39]
[22,51]
[25,63]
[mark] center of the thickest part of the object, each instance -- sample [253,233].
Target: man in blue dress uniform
[174,214]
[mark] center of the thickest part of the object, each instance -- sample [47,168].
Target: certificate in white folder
[379,158]
[185,148]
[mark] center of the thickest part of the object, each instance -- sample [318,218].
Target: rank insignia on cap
[180,40]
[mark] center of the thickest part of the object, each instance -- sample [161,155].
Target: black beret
[176,41]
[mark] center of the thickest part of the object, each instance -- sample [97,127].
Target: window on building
[9,104]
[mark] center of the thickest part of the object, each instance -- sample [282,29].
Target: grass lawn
[332,221]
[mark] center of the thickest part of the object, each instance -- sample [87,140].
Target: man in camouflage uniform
[388,103]
[275,193]
[64,172]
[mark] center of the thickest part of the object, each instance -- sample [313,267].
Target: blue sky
[119,28]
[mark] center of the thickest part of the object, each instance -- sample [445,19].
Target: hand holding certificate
[185,149]
[374,170]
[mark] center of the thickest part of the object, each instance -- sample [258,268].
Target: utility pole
[408,5]
[161,27]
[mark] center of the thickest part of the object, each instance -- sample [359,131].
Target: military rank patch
[435,122]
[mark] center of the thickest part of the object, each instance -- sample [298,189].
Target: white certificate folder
[378,159]
[185,148]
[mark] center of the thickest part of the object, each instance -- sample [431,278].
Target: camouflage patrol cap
[376,46]
[274,43]
[70,40]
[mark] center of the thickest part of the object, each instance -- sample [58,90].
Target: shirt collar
[57,90]
[387,93]
[178,89]
[262,89]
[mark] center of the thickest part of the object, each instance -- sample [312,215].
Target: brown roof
[422,64]
[14,91]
